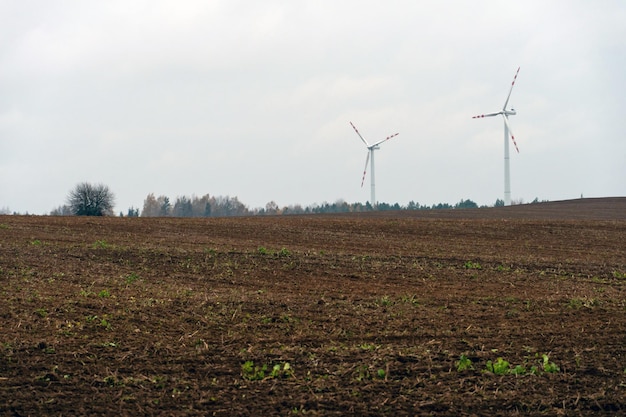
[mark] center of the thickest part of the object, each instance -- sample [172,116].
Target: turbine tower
[507,130]
[370,157]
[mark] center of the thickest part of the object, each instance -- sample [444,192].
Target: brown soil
[350,315]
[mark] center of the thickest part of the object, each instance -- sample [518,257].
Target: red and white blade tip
[514,143]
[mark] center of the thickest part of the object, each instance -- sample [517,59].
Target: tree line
[98,200]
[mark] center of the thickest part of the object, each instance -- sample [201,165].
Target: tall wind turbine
[370,156]
[507,130]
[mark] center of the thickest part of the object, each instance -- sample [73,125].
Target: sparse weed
[410,299]
[385,301]
[100,244]
[619,275]
[369,347]
[104,294]
[362,373]
[132,277]
[586,302]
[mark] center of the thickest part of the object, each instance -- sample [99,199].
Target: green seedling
[499,367]
[549,367]
[251,372]
[464,363]
[472,265]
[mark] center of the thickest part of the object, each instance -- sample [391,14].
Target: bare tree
[91,200]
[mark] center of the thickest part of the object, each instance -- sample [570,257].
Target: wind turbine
[370,156]
[507,130]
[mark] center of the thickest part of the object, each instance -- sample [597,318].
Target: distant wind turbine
[507,130]
[370,156]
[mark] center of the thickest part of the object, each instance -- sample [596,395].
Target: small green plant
[549,367]
[385,301]
[472,265]
[262,250]
[369,346]
[41,312]
[251,372]
[499,367]
[283,253]
[381,374]
[464,363]
[586,302]
[36,242]
[363,373]
[619,275]
[100,244]
[410,299]
[104,294]
[132,277]
[518,370]
[281,370]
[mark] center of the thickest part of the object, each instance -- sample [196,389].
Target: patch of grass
[586,302]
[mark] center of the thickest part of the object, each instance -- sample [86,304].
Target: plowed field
[511,311]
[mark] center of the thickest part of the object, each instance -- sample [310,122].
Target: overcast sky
[253,99]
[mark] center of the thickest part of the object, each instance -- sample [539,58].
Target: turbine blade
[480,116]
[506,121]
[384,140]
[512,84]
[365,169]
[357,132]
